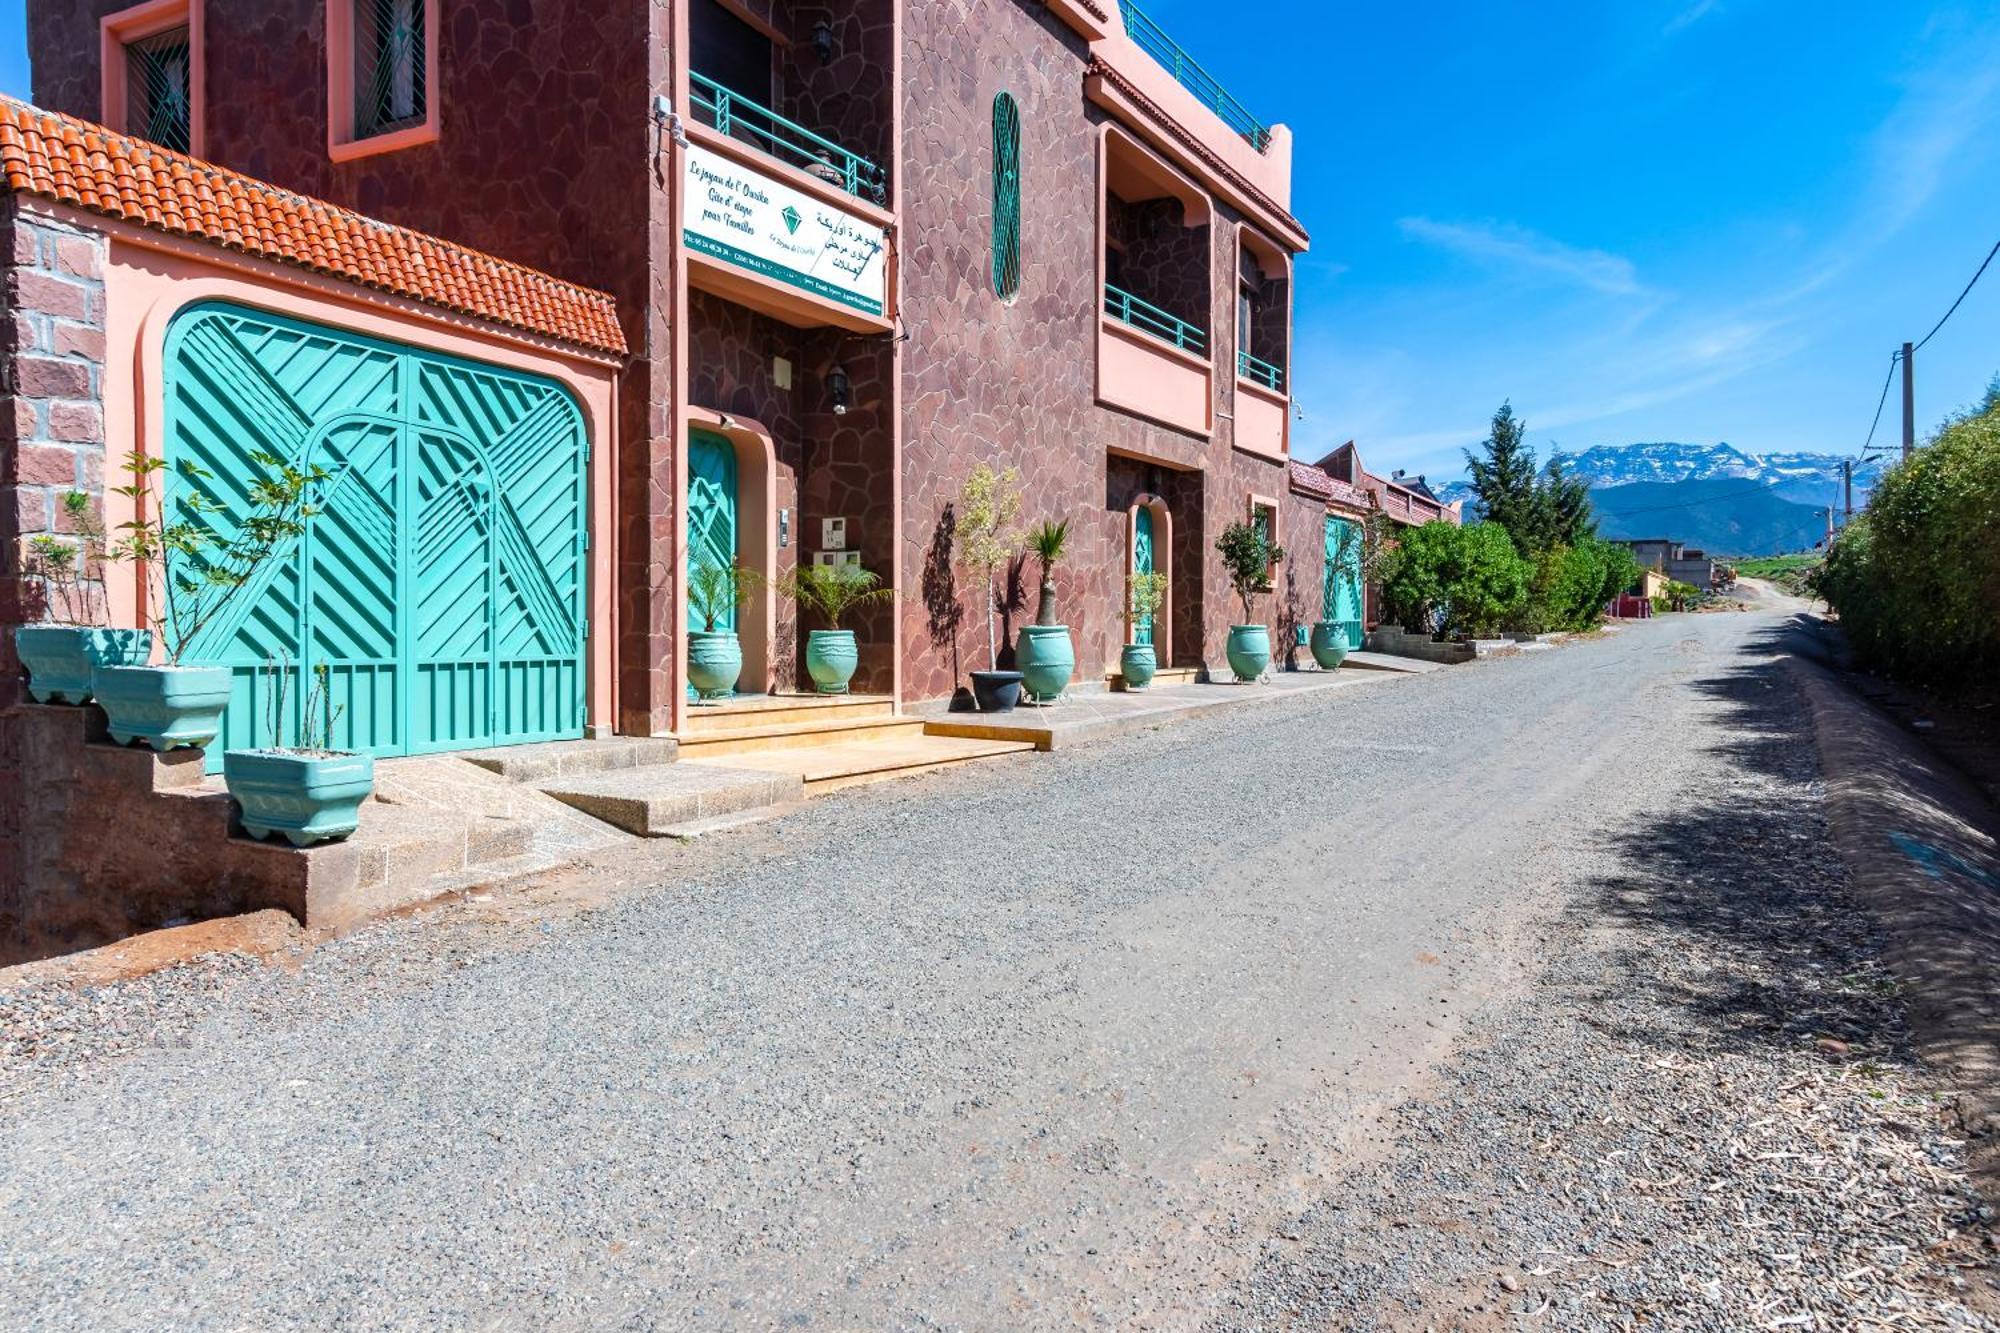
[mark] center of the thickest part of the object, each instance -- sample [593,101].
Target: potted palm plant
[1045,653]
[1137,662]
[1247,556]
[193,572]
[310,792]
[1329,637]
[715,656]
[832,592]
[987,539]
[60,650]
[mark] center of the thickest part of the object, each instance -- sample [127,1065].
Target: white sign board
[749,219]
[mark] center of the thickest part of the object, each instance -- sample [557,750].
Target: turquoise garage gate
[442,582]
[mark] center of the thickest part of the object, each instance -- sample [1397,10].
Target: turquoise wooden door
[1142,563]
[712,518]
[442,583]
[1340,594]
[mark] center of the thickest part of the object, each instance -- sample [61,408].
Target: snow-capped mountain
[1804,478]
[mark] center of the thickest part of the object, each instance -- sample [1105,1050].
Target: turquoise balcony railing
[1126,308]
[735,115]
[1153,40]
[1261,372]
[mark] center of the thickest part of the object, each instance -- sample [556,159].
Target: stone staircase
[826,743]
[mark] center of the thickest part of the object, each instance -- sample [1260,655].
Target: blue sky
[1651,219]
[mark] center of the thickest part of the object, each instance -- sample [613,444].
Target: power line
[1887,380]
[1962,295]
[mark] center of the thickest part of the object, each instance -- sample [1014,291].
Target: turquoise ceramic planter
[1329,643]
[715,662]
[59,658]
[1249,650]
[166,707]
[306,798]
[1046,659]
[831,659]
[1137,663]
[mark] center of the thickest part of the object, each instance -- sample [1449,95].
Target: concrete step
[559,759]
[1165,676]
[788,735]
[778,709]
[829,768]
[1362,660]
[702,828]
[654,800]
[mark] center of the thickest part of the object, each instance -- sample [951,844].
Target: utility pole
[1829,527]
[1847,485]
[1909,400]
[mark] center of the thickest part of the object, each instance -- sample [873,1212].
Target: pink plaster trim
[341,145]
[1157,171]
[757,533]
[1255,503]
[1163,539]
[116,30]
[1263,403]
[151,278]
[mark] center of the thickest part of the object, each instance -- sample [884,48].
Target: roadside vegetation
[1915,579]
[1535,565]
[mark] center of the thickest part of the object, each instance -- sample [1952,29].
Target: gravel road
[1521,994]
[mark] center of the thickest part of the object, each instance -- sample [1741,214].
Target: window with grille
[159,89]
[389,76]
[1006,197]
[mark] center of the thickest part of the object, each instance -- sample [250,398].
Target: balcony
[1126,308]
[1149,37]
[1250,368]
[735,116]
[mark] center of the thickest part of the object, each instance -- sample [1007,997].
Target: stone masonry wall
[51,443]
[1015,383]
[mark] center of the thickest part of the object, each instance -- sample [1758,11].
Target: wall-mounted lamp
[839,388]
[823,41]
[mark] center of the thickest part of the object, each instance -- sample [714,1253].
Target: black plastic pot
[996,691]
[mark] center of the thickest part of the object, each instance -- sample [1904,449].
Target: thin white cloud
[1502,245]
[1690,16]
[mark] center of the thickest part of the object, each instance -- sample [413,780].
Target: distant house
[1681,563]
[1350,489]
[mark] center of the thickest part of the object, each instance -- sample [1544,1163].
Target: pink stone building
[805,214]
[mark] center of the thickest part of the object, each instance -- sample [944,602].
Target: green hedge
[1474,582]
[1916,579]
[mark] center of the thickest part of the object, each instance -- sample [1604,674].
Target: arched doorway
[1340,594]
[1149,550]
[713,517]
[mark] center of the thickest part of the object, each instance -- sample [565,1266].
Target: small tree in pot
[1045,652]
[70,639]
[193,572]
[988,507]
[1247,556]
[715,656]
[832,592]
[1138,662]
[309,792]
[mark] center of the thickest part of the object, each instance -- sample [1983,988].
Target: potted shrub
[831,592]
[310,792]
[987,539]
[715,656]
[1137,662]
[1045,653]
[1247,557]
[192,573]
[60,651]
[1328,642]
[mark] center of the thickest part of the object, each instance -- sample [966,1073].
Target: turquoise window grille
[159,101]
[1006,196]
[390,57]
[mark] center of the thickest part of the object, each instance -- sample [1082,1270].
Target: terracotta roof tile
[89,167]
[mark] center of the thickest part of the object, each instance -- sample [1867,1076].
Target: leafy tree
[988,536]
[1247,556]
[1916,579]
[1466,579]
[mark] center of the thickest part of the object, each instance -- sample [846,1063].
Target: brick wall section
[51,442]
